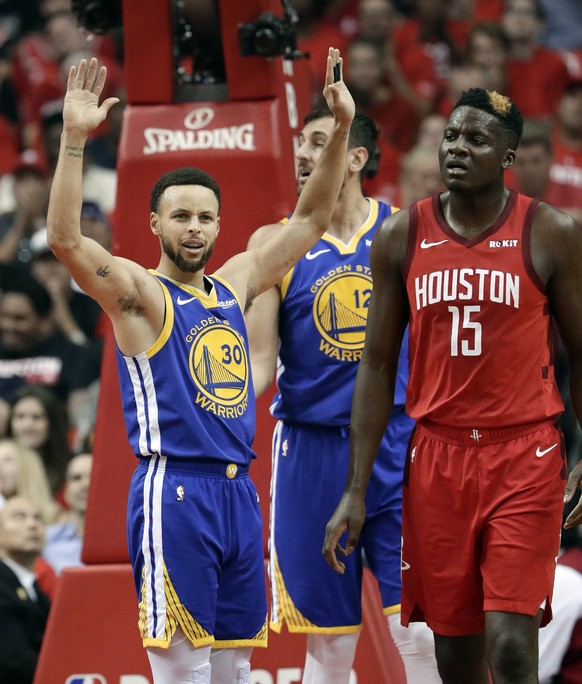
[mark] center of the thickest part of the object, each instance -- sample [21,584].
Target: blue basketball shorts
[310,465]
[195,542]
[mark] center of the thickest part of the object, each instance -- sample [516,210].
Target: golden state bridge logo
[340,311]
[219,367]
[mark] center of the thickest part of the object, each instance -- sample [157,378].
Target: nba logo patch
[285,447]
[86,679]
[180,493]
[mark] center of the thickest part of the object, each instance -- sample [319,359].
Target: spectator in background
[24,607]
[95,225]
[420,175]
[376,19]
[64,539]
[22,473]
[462,77]
[33,350]
[430,130]
[36,420]
[30,189]
[428,34]
[532,171]
[75,315]
[373,94]
[41,63]
[566,169]
[488,47]
[36,68]
[536,76]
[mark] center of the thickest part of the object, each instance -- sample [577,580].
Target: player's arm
[255,271]
[375,381]
[262,321]
[557,255]
[119,285]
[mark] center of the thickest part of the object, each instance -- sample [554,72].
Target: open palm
[82,111]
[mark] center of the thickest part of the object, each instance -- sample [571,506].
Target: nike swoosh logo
[540,453]
[425,245]
[313,255]
[181,301]
[404,565]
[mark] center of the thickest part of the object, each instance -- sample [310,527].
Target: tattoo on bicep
[73,151]
[103,271]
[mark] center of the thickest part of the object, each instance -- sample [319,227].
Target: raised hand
[82,112]
[338,97]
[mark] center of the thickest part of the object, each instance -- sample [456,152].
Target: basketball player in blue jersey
[194,527]
[314,322]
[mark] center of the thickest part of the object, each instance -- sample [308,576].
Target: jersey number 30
[465,331]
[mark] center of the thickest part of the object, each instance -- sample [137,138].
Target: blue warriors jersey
[322,325]
[190,394]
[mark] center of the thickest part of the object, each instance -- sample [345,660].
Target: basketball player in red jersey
[479,273]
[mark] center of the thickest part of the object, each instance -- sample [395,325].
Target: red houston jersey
[480,325]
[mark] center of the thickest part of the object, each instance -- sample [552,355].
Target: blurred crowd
[406,63]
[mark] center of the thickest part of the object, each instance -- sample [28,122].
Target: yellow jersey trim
[207,300]
[168,323]
[260,639]
[390,610]
[351,246]
[176,615]
[296,622]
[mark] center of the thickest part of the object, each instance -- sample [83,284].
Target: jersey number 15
[465,331]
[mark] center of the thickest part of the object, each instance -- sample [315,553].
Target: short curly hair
[184,176]
[499,106]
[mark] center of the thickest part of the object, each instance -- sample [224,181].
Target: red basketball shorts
[482,513]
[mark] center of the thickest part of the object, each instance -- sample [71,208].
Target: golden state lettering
[340,354]
[219,367]
[458,284]
[199,327]
[340,311]
[222,411]
[330,274]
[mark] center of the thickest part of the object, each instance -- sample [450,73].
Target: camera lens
[265,41]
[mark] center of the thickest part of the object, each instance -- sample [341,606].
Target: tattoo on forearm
[73,151]
[103,271]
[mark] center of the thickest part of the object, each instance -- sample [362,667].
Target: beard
[186,265]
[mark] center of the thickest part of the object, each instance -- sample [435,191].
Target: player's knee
[231,665]
[513,654]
